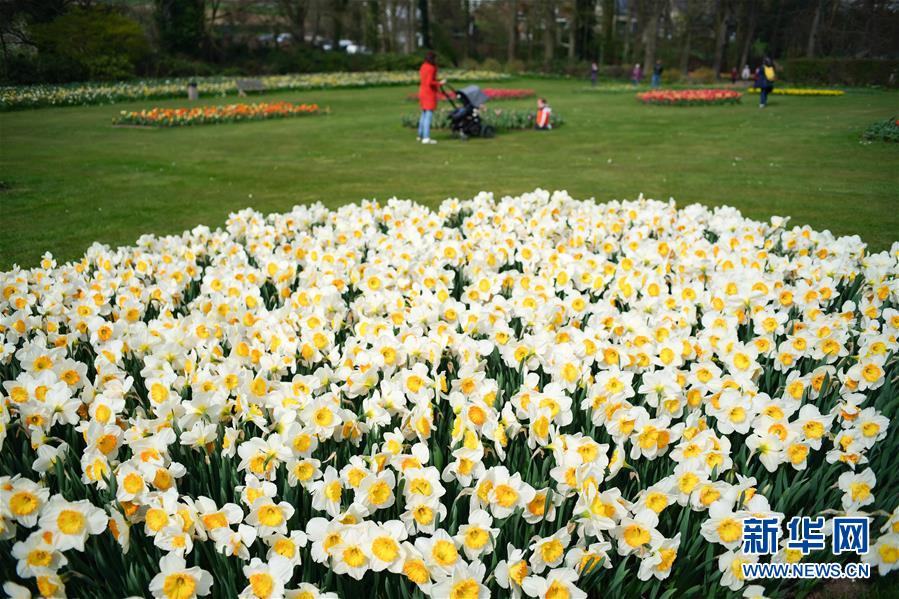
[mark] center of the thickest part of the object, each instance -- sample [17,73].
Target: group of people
[765,76]
[430,85]
[428,95]
[637,74]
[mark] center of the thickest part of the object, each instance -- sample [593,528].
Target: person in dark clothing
[657,74]
[594,73]
[766,78]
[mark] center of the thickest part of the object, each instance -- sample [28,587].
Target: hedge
[841,71]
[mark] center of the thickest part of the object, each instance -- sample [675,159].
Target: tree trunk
[513,30]
[608,31]
[629,23]
[813,32]
[466,40]
[425,23]
[372,21]
[574,30]
[549,31]
[585,38]
[295,13]
[721,17]
[650,33]
[389,37]
[749,32]
[688,37]
[337,10]
[410,27]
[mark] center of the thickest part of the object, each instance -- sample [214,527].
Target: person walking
[767,76]
[594,73]
[746,74]
[427,96]
[636,74]
[657,74]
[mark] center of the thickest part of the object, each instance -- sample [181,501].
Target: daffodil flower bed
[80,94]
[800,91]
[690,97]
[213,115]
[530,396]
[501,119]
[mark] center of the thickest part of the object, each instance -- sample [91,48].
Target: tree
[90,43]
[549,31]
[294,12]
[512,20]
[688,16]
[651,32]
[722,16]
[372,27]
[424,23]
[608,31]
[585,25]
[181,25]
[813,31]
[746,33]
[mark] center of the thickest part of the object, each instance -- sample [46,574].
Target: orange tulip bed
[213,115]
[690,97]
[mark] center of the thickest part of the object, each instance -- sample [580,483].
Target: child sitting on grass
[543,115]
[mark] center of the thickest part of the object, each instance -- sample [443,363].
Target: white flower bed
[532,395]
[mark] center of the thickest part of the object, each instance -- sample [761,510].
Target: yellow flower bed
[800,91]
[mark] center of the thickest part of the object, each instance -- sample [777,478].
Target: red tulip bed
[690,97]
[492,93]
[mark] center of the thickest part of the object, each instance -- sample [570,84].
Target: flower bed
[887,130]
[800,91]
[80,94]
[491,93]
[501,396]
[690,97]
[213,115]
[500,119]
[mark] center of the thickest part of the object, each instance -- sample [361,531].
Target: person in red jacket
[427,96]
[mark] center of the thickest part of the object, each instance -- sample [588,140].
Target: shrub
[841,71]
[672,75]
[887,130]
[491,64]
[468,63]
[90,43]
[515,66]
[702,75]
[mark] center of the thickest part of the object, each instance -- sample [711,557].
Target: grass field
[69,178]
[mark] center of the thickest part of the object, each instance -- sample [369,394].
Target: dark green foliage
[94,43]
[887,130]
[181,25]
[841,71]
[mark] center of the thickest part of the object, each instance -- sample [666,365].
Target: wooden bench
[249,85]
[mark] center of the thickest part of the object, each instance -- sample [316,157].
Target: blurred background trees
[828,40]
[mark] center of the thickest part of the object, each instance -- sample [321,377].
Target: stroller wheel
[488,131]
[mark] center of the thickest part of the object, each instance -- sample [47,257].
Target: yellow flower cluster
[538,386]
[800,91]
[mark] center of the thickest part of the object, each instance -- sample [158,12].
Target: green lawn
[69,178]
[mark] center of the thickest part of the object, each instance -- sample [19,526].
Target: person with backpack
[767,76]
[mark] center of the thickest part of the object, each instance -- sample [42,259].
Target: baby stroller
[465,118]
